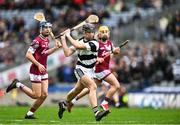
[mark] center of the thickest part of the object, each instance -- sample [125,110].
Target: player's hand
[50,30]
[68,32]
[63,37]
[63,33]
[57,44]
[99,60]
[41,68]
[116,50]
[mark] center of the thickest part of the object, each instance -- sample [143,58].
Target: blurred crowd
[15,36]
[170,24]
[146,63]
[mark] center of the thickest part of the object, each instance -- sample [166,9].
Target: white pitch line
[54,121]
[17,120]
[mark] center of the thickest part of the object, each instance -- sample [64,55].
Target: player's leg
[40,100]
[67,103]
[75,91]
[71,97]
[116,99]
[115,85]
[17,84]
[84,92]
[91,85]
[36,88]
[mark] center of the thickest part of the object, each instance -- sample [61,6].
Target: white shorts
[80,71]
[102,75]
[38,78]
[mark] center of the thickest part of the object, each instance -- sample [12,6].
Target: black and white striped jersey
[87,57]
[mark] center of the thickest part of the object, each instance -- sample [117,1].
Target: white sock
[18,84]
[29,113]
[117,104]
[104,102]
[74,101]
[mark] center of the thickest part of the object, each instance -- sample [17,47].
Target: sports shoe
[69,106]
[100,115]
[12,85]
[30,117]
[105,107]
[61,109]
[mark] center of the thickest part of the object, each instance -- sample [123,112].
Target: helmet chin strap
[40,30]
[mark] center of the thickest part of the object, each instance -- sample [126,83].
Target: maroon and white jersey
[105,48]
[39,48]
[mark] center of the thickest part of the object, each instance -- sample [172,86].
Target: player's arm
[67,51]
[74,42]
[30,57]
[56,47]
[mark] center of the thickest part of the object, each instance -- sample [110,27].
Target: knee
[44,95]
[36,96]
[92,87]
[117,86]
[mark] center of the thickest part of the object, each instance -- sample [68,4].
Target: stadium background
[148,67]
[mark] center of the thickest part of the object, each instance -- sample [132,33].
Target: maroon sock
[107,99]
[32,109]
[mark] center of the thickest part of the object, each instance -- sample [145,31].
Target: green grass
[84,115]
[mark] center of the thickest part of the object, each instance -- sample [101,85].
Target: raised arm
[56,47]
[67,51]
[74,42]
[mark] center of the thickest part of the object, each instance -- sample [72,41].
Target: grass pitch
[84,116]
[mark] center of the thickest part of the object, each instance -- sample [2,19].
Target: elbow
[27,55]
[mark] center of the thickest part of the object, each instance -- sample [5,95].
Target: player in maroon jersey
[37,54]
[102,70]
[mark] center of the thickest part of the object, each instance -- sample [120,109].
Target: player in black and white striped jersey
[87,49]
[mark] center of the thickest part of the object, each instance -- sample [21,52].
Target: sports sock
[95,110]
[74,100]
[19,84]
[65,103]
[117,104]
[105,101]
[30,113]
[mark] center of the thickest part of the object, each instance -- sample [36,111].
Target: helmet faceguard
[45,24]
[88,28]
